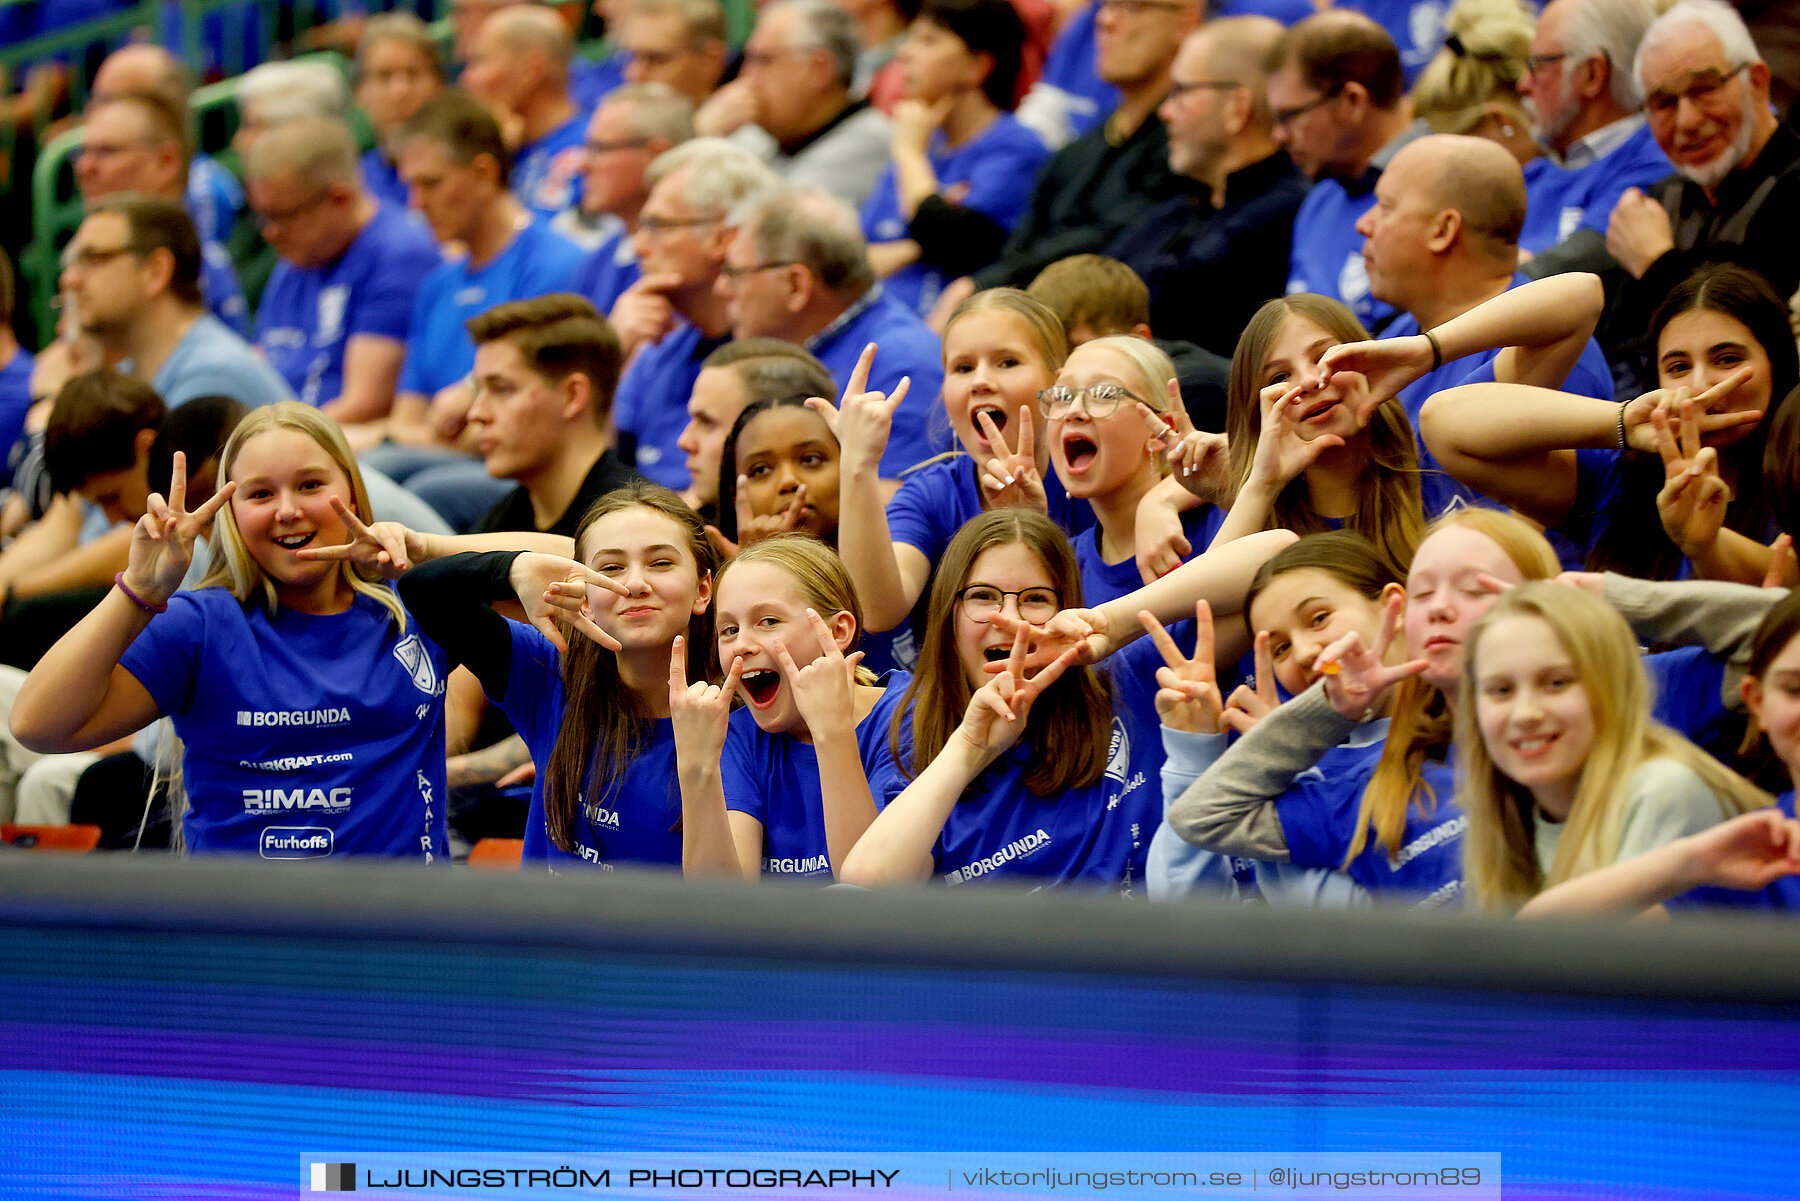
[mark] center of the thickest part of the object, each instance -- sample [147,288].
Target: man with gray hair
[1737,182]
[798,269]
[673,317]
[519,67]
[1586,113]
[275,92]
[631,128]
[791,103]
[333,320]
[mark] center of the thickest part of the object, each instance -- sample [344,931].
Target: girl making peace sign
[309,707]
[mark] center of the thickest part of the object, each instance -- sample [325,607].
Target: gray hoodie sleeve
[1718,616]
[1231,808]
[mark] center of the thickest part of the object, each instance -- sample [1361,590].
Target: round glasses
[1100,399]
[981,601]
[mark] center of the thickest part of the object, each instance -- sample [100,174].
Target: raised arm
[78,696]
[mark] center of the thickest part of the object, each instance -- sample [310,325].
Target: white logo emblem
[412,656]
[331,314]
[1118,754]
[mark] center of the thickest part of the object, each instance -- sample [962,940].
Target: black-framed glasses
[981,601]
[1100,400]
[1177,89]
[1701,87]
[612,147]
[1287,116]
[1137,8]
[1537,62]
[731,272]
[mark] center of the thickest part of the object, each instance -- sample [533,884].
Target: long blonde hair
[1390,512]
[233,568]
[1499,852]
[1419,720]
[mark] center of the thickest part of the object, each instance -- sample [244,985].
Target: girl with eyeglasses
[1010,755]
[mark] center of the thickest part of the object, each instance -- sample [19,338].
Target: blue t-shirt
[635,818]
[1318,818]
[1097,836]
[220,289]
[382,179]
[303,736]
[1783,896]
[438,351]
[1288,12]
[1560,201]
[992,166]
[609,269]
[210,360]
[15,402]
[1070,68]
[546,175]
[591,79]
[1327,259]
[650,406]
[214,197]
[940,498]
[309,314]
[775,779]
[907,348]
[1687,686]
[1417,27]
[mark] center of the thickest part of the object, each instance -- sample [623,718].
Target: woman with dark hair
[956,185]
[1595,471]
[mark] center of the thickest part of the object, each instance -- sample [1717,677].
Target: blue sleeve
[533,699]
[739,775]
[912,514]
[165,656]
[883,207]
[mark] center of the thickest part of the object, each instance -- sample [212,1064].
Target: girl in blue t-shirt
[778,474]
[1043,775]
[310,709]
[1387,822]
[1001,348]
[780,787]
[1304,599]
[1564,768]
[1601,473]
[593,710]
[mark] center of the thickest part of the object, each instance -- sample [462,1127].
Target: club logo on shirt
[281,800]
[295,762]
[293,717]
[1118,754]
[600,815]
[332,302]
[1353,280]
[1018,848]
[295,842]
[412,655]
[797,867]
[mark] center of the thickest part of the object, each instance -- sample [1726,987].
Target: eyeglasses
[104,150]
[90,257]
[1701,88]
[268,217]
[1177,89]
[981,601]
[1287,116]
[1537,62]
[1100,400]
[662,225]
[611,147]
[731,272]
[1137,8]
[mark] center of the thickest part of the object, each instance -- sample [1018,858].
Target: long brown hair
[603,722]
[1420,719]
[1070,727]
[1390,513]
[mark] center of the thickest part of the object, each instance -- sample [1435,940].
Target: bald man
[519,67]
[1443,237]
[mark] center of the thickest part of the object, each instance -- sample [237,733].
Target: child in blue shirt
[310,708]
[781,787]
